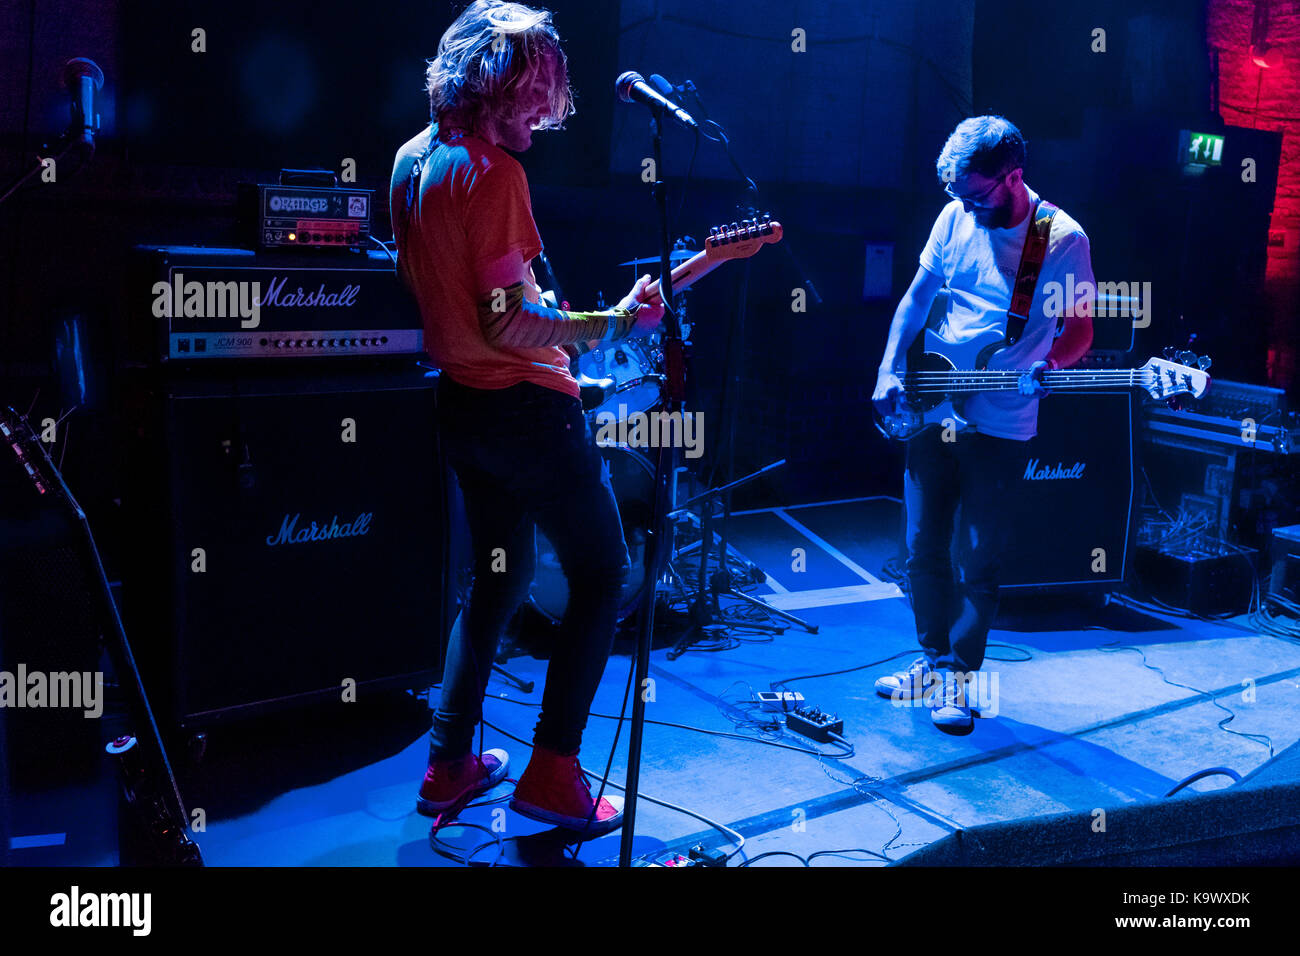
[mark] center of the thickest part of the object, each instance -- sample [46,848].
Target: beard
[996,217]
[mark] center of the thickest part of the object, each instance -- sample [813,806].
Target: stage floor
[1073,720]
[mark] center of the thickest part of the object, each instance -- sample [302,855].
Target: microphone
[662,85]
[82,77]
[632,86]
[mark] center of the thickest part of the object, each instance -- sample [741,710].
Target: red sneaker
[448,782]
[554,789]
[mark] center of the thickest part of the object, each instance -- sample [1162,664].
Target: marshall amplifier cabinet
[289,539]
[1072,507]
[190,304]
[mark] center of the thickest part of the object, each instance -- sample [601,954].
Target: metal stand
[657,538]
[64,144]
[524,685]
[705,609]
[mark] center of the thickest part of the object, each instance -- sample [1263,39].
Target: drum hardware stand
[706,613]
[524,685]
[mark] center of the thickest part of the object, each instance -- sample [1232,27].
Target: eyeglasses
[977,200]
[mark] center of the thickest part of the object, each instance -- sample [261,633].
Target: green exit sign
[1200,149]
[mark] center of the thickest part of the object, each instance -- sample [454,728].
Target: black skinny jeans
[525,457]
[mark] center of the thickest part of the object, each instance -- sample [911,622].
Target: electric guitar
[936,385]
[630,369]
[737,240]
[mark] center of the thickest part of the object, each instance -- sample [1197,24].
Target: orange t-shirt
[472,208]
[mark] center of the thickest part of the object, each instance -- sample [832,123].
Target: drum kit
[619,380]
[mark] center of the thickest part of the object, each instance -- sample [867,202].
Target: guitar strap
[402,221]
[1031,264]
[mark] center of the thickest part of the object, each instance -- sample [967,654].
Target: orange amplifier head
[322,217]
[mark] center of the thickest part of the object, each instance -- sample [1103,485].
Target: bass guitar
[937,384]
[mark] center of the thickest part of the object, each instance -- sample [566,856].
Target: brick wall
[1268,99]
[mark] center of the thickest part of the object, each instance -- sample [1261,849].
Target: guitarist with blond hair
[511,420]
[978,248]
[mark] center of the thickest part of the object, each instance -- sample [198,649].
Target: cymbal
[677,255]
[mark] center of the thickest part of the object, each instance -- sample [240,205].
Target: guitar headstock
[1165,379]
[740,240]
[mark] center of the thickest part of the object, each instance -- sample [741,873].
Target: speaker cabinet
[1073,506]
[294,543]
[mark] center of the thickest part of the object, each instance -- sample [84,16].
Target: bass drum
[633,478]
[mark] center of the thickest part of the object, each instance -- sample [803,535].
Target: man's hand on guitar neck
[1031,383]
[648,314]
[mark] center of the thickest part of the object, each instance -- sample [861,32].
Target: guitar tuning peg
[1204,363]
[1169,352]
[1186,358]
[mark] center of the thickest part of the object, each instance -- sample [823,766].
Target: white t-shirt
[979,266]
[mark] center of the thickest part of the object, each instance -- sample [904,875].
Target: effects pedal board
[814,724]
[777,701]
[699,856]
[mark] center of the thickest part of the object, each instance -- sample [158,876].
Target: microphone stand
[673,392]
[80,134]
[64,144]
[705,610]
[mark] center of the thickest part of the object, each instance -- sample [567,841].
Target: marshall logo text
[276,297]
[1033,472]
[290,533]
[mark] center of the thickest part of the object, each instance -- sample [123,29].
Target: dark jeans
[979,473]
[526,457]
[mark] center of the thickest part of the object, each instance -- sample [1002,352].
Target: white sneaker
[951,710]
[910,684]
